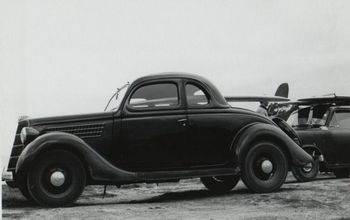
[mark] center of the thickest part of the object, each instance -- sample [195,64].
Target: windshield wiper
[116,94]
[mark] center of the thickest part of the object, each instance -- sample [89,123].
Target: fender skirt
[257,131]
[100,169]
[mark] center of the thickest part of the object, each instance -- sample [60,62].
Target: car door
[339,132]
[153,127]
[209,133]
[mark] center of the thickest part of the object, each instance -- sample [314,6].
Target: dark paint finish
[332,142]
[158,144]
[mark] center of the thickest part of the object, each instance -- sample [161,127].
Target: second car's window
[195,96]
[161,95]
[341,119]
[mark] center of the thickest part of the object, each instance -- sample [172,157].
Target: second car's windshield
[314,116]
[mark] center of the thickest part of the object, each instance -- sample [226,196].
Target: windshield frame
[116,96]
[311,120]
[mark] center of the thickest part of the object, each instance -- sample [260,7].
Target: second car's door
[154,127]
[339,133]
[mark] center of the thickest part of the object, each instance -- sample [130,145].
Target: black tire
[11,184]
[305,174]
[22,186]
[220,184]
[341,173]
[272,176]
[24,190]
[45,189]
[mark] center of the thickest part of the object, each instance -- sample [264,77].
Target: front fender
[260,131]
[99,168]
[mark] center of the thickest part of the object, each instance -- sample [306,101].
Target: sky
[64,57]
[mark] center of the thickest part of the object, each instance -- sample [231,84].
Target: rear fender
[261,131]
[98,167]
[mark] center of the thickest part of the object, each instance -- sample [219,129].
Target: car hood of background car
[69,118]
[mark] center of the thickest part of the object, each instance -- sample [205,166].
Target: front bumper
[7,176]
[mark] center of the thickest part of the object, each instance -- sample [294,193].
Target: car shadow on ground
[163,198]
[17,203]
[318,179]
[16,200]
[189,195]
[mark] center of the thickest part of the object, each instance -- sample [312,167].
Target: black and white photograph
[175,109]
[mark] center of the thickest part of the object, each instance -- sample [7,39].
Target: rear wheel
[341,173]
[264,168]
[56,179]
[220,184]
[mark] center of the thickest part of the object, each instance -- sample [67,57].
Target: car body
[323,126]
[168,127]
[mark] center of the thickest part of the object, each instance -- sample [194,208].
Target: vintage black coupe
[167,127]
[323,127]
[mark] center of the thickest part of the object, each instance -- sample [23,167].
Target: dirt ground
[324,198]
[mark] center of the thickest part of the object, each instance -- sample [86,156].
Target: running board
[185,174]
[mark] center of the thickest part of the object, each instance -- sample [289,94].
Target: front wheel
[24,189]
[308,172]
[264,168]
[57,178]
[220,184]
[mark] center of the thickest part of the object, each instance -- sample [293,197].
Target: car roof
[169,75]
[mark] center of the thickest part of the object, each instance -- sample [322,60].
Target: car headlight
[27,134]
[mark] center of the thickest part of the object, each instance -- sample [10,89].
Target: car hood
[68,118]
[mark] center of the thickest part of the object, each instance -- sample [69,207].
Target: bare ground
[324,198]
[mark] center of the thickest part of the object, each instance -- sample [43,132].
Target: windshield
[310,116]
[119,94]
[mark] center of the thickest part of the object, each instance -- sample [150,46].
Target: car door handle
[182,121]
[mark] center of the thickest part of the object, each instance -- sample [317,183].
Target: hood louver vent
[82,131]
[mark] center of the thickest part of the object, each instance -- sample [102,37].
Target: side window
[195,96]
[319,115]
[341,119]
[155,96]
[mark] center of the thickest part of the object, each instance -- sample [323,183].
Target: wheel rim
[56,179]
[263,167]
[308,168]
[267,166]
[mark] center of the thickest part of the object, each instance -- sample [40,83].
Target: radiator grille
[82,131]
[17,148]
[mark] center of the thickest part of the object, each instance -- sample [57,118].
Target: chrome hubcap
[307,168]
[267,166]
[57,178]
